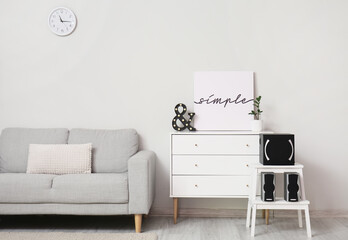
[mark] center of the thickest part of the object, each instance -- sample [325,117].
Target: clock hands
[62,21]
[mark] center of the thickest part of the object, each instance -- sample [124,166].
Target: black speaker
[277,149]
[291,187]
[267,186]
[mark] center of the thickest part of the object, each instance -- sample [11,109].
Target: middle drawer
[213,165]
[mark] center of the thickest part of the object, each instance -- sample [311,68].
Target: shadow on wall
[314,190]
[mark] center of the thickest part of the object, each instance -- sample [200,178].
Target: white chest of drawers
[211,164]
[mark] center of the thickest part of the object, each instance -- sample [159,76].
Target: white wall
[129,62]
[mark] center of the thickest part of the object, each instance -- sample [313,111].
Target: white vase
[256,125]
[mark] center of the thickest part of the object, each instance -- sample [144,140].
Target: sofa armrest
[141,181]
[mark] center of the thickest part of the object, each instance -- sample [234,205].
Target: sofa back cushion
[111,148]
[14,145]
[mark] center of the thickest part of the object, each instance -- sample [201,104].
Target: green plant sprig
[256,112]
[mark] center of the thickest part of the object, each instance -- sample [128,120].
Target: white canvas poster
[222,100]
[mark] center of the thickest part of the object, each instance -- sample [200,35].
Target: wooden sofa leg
[137,219]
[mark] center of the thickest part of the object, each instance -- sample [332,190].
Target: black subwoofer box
[277,149]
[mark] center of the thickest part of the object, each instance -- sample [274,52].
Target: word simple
[216,100]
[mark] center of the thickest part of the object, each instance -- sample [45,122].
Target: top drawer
[215,144]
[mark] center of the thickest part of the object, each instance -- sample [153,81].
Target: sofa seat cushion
[91,188]
[25,188]
[70,188]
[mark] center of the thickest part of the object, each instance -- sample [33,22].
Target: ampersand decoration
[180,116]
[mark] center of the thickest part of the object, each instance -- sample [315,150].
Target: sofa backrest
[14,145]
[111,148]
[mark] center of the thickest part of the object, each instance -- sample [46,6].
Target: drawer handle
[196,145]
[247,145]
[196,185]
[196,165]
[247,185]
[247,165]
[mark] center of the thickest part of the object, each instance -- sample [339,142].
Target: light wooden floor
[186,228]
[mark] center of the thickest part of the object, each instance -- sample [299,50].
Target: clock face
[62,21]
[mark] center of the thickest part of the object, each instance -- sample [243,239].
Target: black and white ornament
[180,116]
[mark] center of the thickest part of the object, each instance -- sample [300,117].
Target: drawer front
[214,165]
[215,144]
[210,186]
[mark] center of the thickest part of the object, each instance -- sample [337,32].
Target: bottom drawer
[210,186]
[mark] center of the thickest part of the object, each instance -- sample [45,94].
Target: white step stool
[255,202]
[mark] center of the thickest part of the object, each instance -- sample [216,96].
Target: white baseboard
[198,212]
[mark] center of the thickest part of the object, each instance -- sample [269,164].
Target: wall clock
[62,21]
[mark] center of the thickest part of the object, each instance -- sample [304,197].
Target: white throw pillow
[60,158]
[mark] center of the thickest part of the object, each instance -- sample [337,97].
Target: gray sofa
[122,180]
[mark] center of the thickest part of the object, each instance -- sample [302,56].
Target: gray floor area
[186,228]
